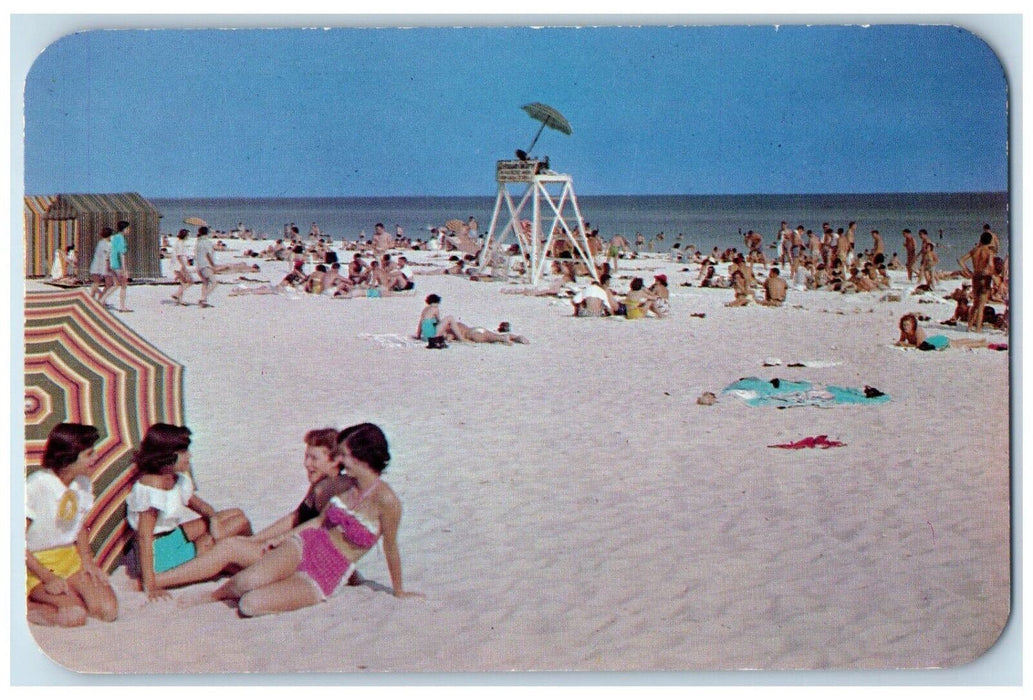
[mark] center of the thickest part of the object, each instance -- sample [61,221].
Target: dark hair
[324,437]
[122,226]
[159,447]
[366,443]
[637,283]
[183,233]
[65,442]
[433,299]
[776,271]
[202,231]
[986,238]
[106,232]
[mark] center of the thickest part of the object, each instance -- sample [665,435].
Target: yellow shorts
[63,561]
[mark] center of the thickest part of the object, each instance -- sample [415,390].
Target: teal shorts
[172,549]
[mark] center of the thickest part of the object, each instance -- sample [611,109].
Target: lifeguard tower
[549,196]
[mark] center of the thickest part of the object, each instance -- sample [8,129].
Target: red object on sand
[821,441]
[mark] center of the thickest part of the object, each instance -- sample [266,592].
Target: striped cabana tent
[55,221]
[83,365]
[43,237]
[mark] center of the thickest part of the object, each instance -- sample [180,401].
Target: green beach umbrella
[549,117]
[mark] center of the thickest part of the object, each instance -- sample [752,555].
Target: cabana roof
[72,206]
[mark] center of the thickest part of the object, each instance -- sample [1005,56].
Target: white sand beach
[569,506]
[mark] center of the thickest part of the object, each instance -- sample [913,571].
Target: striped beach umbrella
[82,365]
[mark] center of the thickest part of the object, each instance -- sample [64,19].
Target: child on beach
[64,584]
[326,479]
[172,523]
[312,563]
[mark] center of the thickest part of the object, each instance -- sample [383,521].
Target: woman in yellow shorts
[64,584]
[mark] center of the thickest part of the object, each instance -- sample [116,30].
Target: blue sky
[364,112]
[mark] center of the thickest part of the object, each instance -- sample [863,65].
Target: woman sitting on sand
[596,300]
[661,295]
[324,470]
[315,283]
[741,289]
[173,525]
[914,337]
[430,317]
[639,301]
[711,278]
[315,560]
[962,308]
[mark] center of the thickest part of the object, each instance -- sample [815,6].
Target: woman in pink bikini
[314,561]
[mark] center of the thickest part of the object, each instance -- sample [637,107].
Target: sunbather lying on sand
[451,329]
[237,267]
[913,336]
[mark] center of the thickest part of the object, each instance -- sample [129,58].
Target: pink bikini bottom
[321,561]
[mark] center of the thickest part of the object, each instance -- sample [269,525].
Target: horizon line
[621,194]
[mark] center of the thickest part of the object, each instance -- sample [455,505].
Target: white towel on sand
[392,340]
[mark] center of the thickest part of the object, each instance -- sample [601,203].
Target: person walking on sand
[100,266]
[119,265]
[617,244]
[878,247]
[927,260]
[910,256]
[982,257]
[204,261]
[182,272]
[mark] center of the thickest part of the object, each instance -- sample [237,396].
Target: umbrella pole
[540,130]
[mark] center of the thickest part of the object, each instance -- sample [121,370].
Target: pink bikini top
[356,529]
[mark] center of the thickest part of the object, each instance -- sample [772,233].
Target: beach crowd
[310,553]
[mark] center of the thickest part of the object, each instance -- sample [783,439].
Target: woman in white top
[64,583]
[172,523]
[181,259]
[100,267]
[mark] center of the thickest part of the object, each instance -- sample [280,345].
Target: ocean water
[702,220]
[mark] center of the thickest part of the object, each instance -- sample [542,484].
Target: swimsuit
[321,561]
[172,549]
[428,328]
